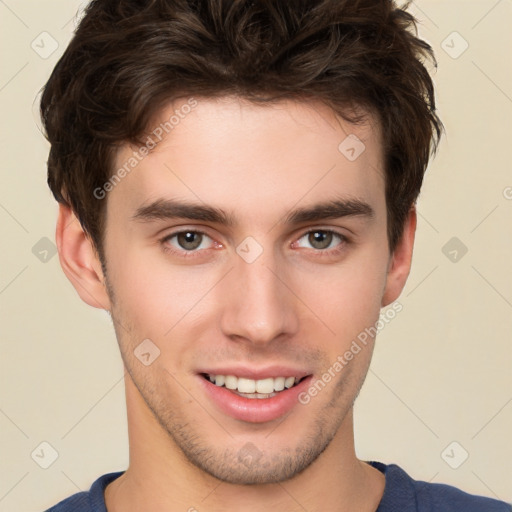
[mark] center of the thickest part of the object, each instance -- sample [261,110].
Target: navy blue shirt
[401,494]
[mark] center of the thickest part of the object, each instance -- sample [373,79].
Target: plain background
[441,372]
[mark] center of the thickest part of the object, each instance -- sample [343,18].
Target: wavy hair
[128,58]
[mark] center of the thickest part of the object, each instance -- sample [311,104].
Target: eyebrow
[168,209]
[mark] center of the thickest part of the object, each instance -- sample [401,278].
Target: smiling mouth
[249,388]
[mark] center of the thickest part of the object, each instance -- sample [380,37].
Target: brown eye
[189,240]
[183,242]
[320,239]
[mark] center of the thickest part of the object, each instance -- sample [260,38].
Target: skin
[296,304]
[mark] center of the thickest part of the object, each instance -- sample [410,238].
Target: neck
[160,478]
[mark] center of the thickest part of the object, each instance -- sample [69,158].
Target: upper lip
[257,373]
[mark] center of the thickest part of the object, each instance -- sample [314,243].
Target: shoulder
[445,498]
[403,493]
[87,501]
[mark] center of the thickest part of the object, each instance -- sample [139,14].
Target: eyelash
[195,253]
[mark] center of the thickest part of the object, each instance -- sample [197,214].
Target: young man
[237,183]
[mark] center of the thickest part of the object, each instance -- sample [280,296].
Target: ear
[400,262]
[79,260]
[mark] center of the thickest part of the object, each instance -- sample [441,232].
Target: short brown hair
[129,58]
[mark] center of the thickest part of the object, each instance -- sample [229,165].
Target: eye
[187,240]
[321,239]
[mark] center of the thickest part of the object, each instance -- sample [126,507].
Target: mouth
[254,396]
[252,388]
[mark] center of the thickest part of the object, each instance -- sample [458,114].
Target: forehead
[253,159]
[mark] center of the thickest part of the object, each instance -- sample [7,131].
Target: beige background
[442,368]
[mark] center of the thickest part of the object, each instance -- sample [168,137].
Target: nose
[258,304]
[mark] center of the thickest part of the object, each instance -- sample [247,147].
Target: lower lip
[254,410]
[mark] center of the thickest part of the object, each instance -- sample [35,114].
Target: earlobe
[400,264]
[79,260]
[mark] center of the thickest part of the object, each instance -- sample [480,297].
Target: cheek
[347,299]
[154,299]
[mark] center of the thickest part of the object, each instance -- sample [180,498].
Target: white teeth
[231,382]
[246,385]
[256,395]
[279,383]
[266,386]
[289,382]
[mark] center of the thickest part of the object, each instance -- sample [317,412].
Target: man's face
[275,293]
